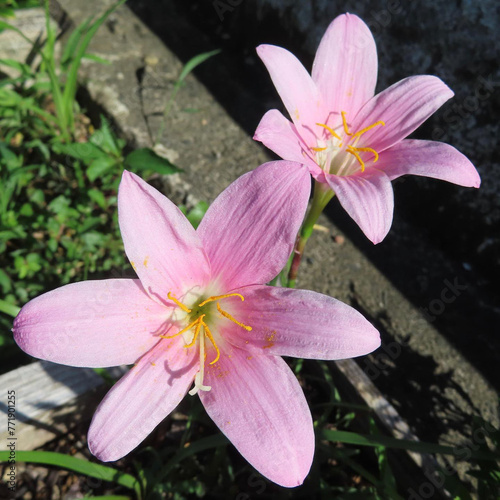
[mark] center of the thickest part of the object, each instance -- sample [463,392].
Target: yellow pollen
[219,297]
[181,331]
[228,316]
[318,149]
[354,152]
[199,322]
[180,304]
[369,150]
[369,128]
[344,122]
[208,333]
[332,132]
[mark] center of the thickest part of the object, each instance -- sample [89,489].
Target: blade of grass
[405,444]
[78,465]
[188,67]
[200,445]
[110,497]
[71,80]
[54,82]
[72,43]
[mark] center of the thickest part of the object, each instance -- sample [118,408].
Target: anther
[228,316]
[199,323]
[182,331]
[218,297]
[208,333]
[332,132]
[344,122]
[180,304]
[357,134]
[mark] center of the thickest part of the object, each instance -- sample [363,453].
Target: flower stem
[322,195]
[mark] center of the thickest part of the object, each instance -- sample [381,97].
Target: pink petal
[161,244]
[368,198]
[295,87]
[403,107]
[300,323]
[345,67]
[142,399]
[280,136]
[91,323]
[429,159]
[250,229]
[258,404]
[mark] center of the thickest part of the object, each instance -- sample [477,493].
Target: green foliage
[77,465]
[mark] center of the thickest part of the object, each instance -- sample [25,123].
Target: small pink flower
[350,139]
[200,311]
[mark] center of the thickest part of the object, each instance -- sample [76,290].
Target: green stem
[322,195]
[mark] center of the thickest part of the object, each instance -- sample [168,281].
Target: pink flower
[350,139]
[200,311]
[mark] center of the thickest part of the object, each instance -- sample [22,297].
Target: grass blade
[405,444]
[71,80]
[78,465]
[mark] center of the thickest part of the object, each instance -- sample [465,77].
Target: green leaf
[105,139]
[146,159]
[405,444]
[100,167]
[69,93]
[195,61]
[5,282]
[197,213]
[78,465]
[97,59]
[202,444]
[9,309]
[73,41]
[98,197]
[84,151]
[12,63]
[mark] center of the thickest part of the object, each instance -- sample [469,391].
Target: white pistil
[198,378]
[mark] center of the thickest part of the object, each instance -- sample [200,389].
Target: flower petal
[280,135]
[142,399]
[250,229]
[368,198]
[429,159]
[258,404]
[300,323]
[161,244]
[91,323]
[345,66]
[295,87]
[403,107]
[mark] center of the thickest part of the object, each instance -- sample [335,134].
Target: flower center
[336,150]
[198,317]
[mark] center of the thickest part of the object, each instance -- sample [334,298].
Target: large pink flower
[350,139]
[200,311]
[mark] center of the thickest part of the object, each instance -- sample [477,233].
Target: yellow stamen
[354,152]
[208,333]
[332,132]
[369,150]
[182,331]
[180,304]
[368,128]
[199,322]
[344,122]
[318,149]
[228,316]
[218,297]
